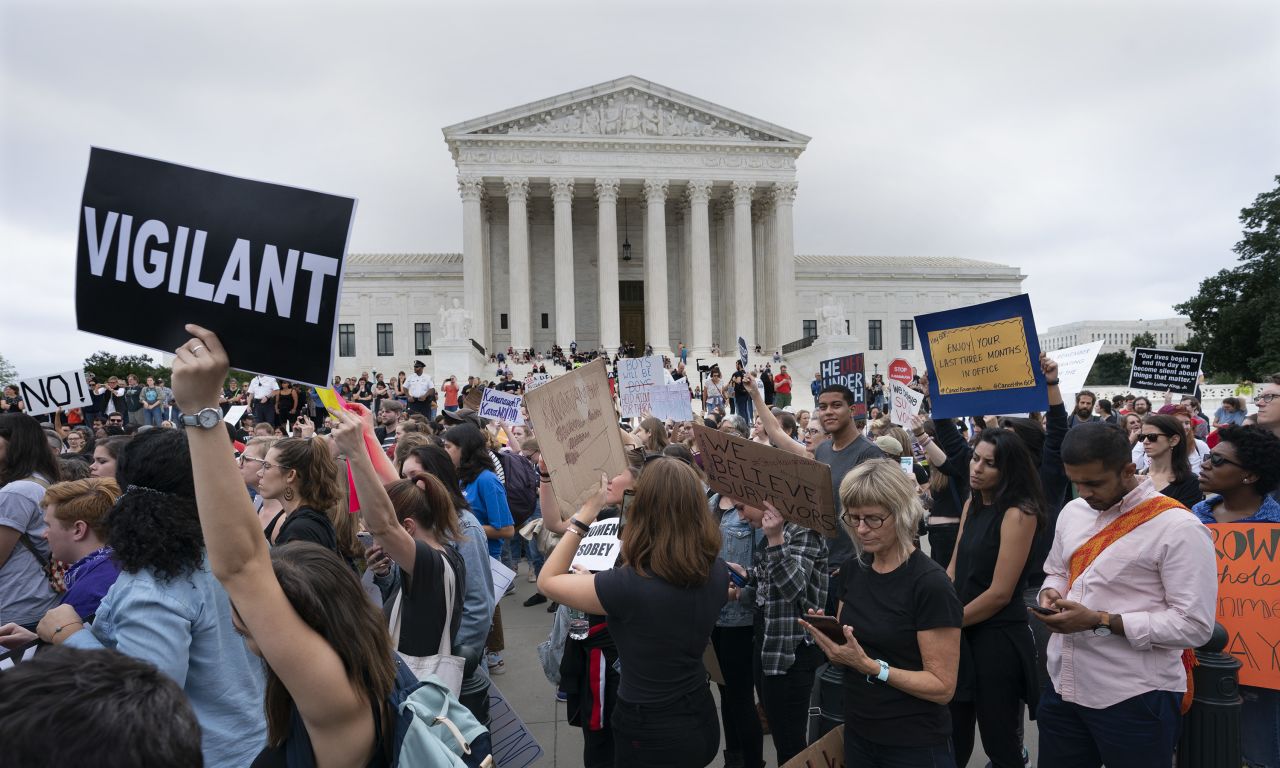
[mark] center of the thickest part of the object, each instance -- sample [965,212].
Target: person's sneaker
[533,577]
[496,665]
[552,608]
[537,598]
[561,696]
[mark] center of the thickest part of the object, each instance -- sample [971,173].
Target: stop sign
[900,370]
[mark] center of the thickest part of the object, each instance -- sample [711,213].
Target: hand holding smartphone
[1043,611]
[829,626]
[736,579]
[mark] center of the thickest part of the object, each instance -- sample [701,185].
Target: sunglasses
[1217,460]
[1151,437]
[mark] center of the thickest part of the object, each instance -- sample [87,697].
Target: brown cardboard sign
[752,473]
[826,752]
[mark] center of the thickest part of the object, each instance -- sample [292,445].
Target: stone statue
[649,118]
[456,322]
[591,122]
[630,117]
[831,319]
[612,117]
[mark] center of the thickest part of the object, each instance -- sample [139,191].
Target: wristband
[571,529]
[883,674]
[1053,383]
[545,475]
[58,630]
[581,526]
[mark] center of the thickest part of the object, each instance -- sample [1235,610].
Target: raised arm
[237,551]
[936,456]
[375,506]
[772,428]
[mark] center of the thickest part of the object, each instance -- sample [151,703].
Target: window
[386,345]
[346,340]
[810,329]
[502,321]
[875,335]
[908,334]
[422,338]
[546,320]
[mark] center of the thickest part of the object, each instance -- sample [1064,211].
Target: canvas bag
[444,665]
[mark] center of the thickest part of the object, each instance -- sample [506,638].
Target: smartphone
[1043,611]
[738,581]
[828,626]
[366,538]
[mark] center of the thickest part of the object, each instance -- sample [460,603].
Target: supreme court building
[631,212]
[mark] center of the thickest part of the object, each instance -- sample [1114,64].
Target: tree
[8,374]
[1110,368]
[1235,316]
[1144,340]
[103,365]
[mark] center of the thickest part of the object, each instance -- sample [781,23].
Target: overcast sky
[1105,148]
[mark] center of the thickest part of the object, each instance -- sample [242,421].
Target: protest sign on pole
[904,403]
[1074,364]
[503,406]
[1165,370]
[230,254]
[742,351]
[46,394]
[577,433]
[983,359]
[753,473]
[900,370]
[1248,572]
[671,401]
[599,548]
[848,371]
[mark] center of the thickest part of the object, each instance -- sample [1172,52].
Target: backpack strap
[31,546]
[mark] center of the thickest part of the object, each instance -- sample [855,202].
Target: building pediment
[629,108]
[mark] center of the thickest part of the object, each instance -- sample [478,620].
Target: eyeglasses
[813,431]
[873,521]
[1265,399]
[268,466]
[1151,437]
[244,459]
[1217,460]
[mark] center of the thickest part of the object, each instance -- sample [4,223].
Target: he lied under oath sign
[260,264]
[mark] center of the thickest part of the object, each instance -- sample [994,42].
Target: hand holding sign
[200,366]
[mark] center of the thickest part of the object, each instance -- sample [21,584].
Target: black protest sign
[1165,370]
[46,394]
[848,371]
[260,264]
[753,473]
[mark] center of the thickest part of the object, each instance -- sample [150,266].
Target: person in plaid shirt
[788,577]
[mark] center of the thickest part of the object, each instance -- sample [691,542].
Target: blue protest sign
[983,359]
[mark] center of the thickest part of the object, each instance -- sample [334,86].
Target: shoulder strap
[1112,532]
[25,538]
[446,640]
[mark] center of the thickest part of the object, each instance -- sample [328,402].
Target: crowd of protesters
[269,592]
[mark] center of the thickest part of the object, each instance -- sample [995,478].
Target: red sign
[900,370]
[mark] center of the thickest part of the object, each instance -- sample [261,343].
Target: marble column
[744,300]
[786,327]
[562,200]
[760,260]
[519,312]
[473,256]
[486,239]
[699,192]
[656,318]
[728,331]
[607,258]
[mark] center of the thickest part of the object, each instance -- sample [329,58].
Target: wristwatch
[883,674]
[205,418]
[1104,625]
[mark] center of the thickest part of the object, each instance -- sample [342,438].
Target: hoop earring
[288,493]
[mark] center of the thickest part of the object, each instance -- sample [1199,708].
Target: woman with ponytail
[302,475]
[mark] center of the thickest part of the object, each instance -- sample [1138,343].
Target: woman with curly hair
[166,607]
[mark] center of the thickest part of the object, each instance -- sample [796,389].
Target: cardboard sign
[826,752]
[598,550]
[1249,598]
[46,394]
[577,432]
[512,745]
[473,399]
[671,401]
[535,380]
[742,352]
[1165,370]
[1074,364]
[227,253]
[983,359]
[850,372]
[503,406]
[753,473]
[900,370]
[904,403]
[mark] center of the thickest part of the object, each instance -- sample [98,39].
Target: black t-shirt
[886,611]
[133,397]
[307,524]
[975,559]
[1187,492]
[661,630]
[422,609]
[509,386]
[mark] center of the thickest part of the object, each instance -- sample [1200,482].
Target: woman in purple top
[75,515]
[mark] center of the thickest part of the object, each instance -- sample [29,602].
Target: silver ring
[197,348]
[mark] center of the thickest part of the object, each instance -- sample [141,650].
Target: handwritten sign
[1249,597]
[671,401]
[1163,370]
[535,380]
[46,394]
[1074,364]
[598,550]
[512,746]
[848,371]
[503,406]
[827,752]
[983,358]
[904,403]
[577,432]
[637,379]
[754,473]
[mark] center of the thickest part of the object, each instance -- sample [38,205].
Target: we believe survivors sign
[260,264]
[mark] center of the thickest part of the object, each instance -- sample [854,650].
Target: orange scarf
[1084,556]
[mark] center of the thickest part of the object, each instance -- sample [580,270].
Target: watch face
[208,418]
[1102,631]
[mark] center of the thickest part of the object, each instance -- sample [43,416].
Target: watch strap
[883,676]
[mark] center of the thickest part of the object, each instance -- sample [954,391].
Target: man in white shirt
[421,391]
[262,390]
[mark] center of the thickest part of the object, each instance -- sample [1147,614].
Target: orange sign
[1249,597]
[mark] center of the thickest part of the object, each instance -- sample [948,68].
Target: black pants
[860,753]
[942,542]
[786,699]
[999,687]
[680,734]
[734,647]
[264,413]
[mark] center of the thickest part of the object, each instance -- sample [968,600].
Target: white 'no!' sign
[46,394]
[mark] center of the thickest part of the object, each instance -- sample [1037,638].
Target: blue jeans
[860,753]
[1139,732]
[743,406]
[1260,727]
[518,545]
[154,417]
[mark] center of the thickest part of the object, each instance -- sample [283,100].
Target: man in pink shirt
[1130,583]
